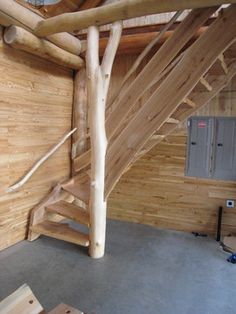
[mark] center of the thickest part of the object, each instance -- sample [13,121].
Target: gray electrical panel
[211,149]
[199,147]
[224,161]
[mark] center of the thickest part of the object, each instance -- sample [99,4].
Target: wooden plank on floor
[22,301]
[64,309]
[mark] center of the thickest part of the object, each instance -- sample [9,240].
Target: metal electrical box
[199,147]
[211,149]
[224,161]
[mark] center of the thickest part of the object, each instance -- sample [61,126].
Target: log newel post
[98,78]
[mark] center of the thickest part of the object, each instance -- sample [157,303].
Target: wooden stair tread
[189,102]
[81,192]
[70,211]
[64,308]
[172,121]
[62,232]
[79,186]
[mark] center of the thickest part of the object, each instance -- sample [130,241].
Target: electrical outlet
[230,203]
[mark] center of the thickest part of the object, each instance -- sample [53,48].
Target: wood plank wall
[156,192]
[35,111]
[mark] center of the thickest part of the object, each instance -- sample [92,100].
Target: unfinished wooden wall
[35,111]
[156,192]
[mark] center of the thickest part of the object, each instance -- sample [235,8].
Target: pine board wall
[156,192]
[35,111]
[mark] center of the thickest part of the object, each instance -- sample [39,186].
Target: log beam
[21,39]
[117,11]
[12,13]
[98,82]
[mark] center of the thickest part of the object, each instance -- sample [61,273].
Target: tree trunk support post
[98,78]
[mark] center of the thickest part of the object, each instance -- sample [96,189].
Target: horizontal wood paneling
[35,111]
[156,192]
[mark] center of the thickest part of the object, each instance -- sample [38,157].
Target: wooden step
[202,86]
[172,121]
[70,211]
[157,137]
[79,186]
[219,67]
[221,58]
[189,102]
[205,83]
[79,191]
[62,232]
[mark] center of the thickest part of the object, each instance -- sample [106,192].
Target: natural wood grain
[98,78]
[12,13]
[117,11]
[35,112]
[70,211]
[61,231]
[192,67]
[29,174]
[21,39]
[198,99]
[82,161]
[155,190]
[80,114]
[128,97]
[65,309]
[37,214]
[79,187]
[21,301]
[148,48]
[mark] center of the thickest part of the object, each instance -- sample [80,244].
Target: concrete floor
[145,270]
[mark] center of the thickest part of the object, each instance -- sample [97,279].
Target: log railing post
[98,78]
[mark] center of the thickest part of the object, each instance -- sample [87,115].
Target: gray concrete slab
[145,270]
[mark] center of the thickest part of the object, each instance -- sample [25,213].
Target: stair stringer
[125,102]
[171,93]
[38,214]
